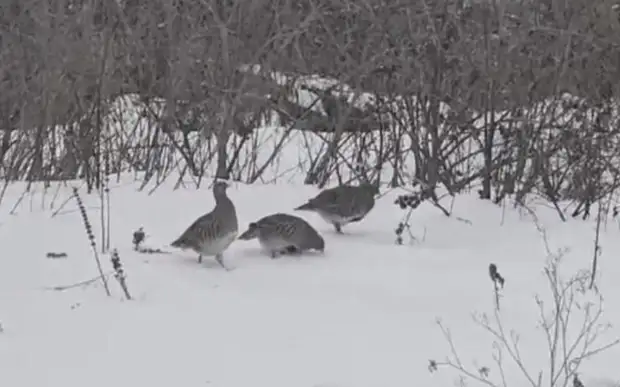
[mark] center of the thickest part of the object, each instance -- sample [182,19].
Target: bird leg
[338,228]
[220,259]
[294,251]
[286,250]
[199,258]
[290,250]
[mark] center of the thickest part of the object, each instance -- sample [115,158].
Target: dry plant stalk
[91,239]
[566,349]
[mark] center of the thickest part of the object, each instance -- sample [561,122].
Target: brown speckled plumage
[212,233]
[343,204]
[282,233]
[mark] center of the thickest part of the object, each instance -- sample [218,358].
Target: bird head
[371,187]
[320,244]
[220,187]
[250,233]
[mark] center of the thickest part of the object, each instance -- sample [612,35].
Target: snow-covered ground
[362,315]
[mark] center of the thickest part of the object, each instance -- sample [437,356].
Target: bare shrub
[512,100]
[570,319]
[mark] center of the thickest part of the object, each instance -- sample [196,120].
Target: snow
[364,314]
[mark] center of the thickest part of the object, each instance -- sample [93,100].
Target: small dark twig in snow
[138,238]
[498,281]
[577,382]
[81,283]
[53,255]
[149,250]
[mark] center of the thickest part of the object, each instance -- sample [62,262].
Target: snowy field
[364,314]
[367,313]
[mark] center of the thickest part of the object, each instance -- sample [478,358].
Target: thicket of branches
[512,97]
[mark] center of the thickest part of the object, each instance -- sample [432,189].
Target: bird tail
[308,206]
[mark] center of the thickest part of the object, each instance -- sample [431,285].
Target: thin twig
[81,283]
